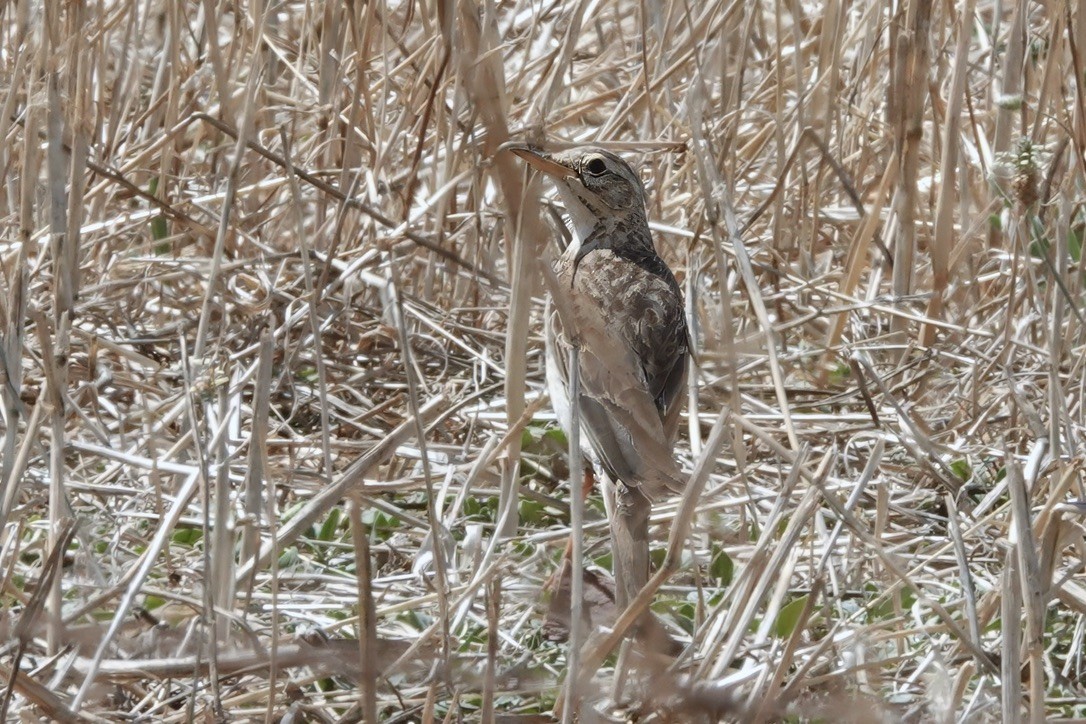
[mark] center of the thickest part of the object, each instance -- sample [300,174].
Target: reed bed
[276,445]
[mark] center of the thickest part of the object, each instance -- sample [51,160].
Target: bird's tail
[630,543]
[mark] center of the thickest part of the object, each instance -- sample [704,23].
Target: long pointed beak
[543,162]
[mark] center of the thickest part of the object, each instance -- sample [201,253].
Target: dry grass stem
[271,293]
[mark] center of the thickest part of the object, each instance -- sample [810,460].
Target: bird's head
[595,185]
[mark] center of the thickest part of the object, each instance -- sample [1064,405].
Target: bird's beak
[543,162]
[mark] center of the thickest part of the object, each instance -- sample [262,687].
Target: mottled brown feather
[632,332]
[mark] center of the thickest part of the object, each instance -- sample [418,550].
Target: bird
[625,312]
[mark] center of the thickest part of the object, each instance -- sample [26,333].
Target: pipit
[627,316]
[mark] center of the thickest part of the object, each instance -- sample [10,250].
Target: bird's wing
[661,343]
[670,398]
[618,414]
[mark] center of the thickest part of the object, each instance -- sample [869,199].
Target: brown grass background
[275,446]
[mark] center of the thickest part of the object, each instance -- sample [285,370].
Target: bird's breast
[636,306]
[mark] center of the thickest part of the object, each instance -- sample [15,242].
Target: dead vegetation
[275,446]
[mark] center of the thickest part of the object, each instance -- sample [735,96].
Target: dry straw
[270,301]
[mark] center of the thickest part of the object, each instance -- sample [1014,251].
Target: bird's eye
[595,167]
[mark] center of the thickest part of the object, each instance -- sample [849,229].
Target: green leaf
[528,437]
[788,617]
[479,509]
[1074,243]
[531,511]
[557,437]
[187,536]
[381,525]
[159,229]
[1039,248]
[523,549]
[657,556]
[840,374]
[721,567]
[471,702]
[474,636]
[887,608]
[961,469]
[327,531]
[291,511]
[289,557]
[415,619]
[152,602]
[684,615]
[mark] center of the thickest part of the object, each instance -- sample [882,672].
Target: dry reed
[269,334]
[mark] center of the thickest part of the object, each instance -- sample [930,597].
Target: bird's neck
[617,231]
[627,235]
